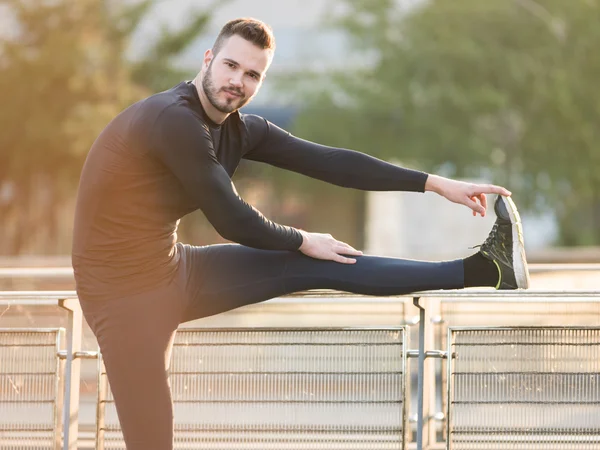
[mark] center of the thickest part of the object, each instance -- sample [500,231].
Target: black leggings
[135,334]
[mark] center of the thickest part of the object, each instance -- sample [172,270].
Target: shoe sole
[519,260]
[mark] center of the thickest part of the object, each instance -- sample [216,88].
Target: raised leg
[224,277]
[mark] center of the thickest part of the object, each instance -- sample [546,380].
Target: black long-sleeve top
[163,158]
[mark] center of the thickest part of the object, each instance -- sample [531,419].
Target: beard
[212,93]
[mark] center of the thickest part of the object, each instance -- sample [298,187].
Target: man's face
[233,76]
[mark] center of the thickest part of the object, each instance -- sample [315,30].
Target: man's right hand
[325,246]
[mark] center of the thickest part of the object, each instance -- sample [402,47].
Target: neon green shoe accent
[499,274]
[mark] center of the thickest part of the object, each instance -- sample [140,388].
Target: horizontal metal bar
[356,430]
[491,293]
[317,296]
[11,374]
[45,296]
[535,300]
[35,272]
[565,267]
[16,431]
[284,402]
[287,329]
[262,373]
[78,355]
[435,417]
[27,345]
[513,431]
[31,330]
[526,344]
[438,417]
[428,354]
[587,375]
[522,327]
[287,344]
[523,402]
[436,354]
[28,302]
[21,401]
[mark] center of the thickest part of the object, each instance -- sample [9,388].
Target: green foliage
[506,89]
[56,91]
[63,76]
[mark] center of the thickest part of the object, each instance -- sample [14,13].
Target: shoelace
[490,239]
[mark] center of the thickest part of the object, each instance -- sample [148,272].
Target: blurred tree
[505,89]
[63,76]
[156,70]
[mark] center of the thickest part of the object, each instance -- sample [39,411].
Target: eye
[253,76]
[230,65]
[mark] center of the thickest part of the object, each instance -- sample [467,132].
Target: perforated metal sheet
[284,389]
[524,388]
[30,389]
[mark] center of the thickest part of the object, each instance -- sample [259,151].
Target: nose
[236,79]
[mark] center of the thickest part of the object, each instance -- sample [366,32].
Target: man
[174,153]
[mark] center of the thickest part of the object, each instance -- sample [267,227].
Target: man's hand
[467,194]
[325,246]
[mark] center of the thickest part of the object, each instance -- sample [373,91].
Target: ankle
[480,271]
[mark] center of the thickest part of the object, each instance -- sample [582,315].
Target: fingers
[476,207]
[490,189]
[343,251]
[326,247]
[483,201]
[480,209]
[473,200]
[346,249]
[343,259]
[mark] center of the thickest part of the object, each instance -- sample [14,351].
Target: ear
[208,56]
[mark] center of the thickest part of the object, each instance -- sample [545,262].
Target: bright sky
[298,26]
[278,13]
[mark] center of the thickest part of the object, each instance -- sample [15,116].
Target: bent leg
[135,335]
[224,277]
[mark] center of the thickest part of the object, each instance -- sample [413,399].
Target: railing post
[60,392]
[421,373]
[72,373]
[101,404]
[434,357]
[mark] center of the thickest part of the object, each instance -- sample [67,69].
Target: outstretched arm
[357,170]
[342,167]
[183,145]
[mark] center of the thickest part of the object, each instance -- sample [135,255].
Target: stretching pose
[174,153]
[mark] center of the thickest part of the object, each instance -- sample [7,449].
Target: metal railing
[31,387]
[525,388]
[67,399]
[270,388]
[430,376]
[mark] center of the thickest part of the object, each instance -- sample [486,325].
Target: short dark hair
[253,30]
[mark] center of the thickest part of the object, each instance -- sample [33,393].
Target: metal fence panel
[549,312]
[30,388]
[282,389]
[524,388]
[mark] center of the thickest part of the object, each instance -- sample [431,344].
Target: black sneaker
[504,246]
